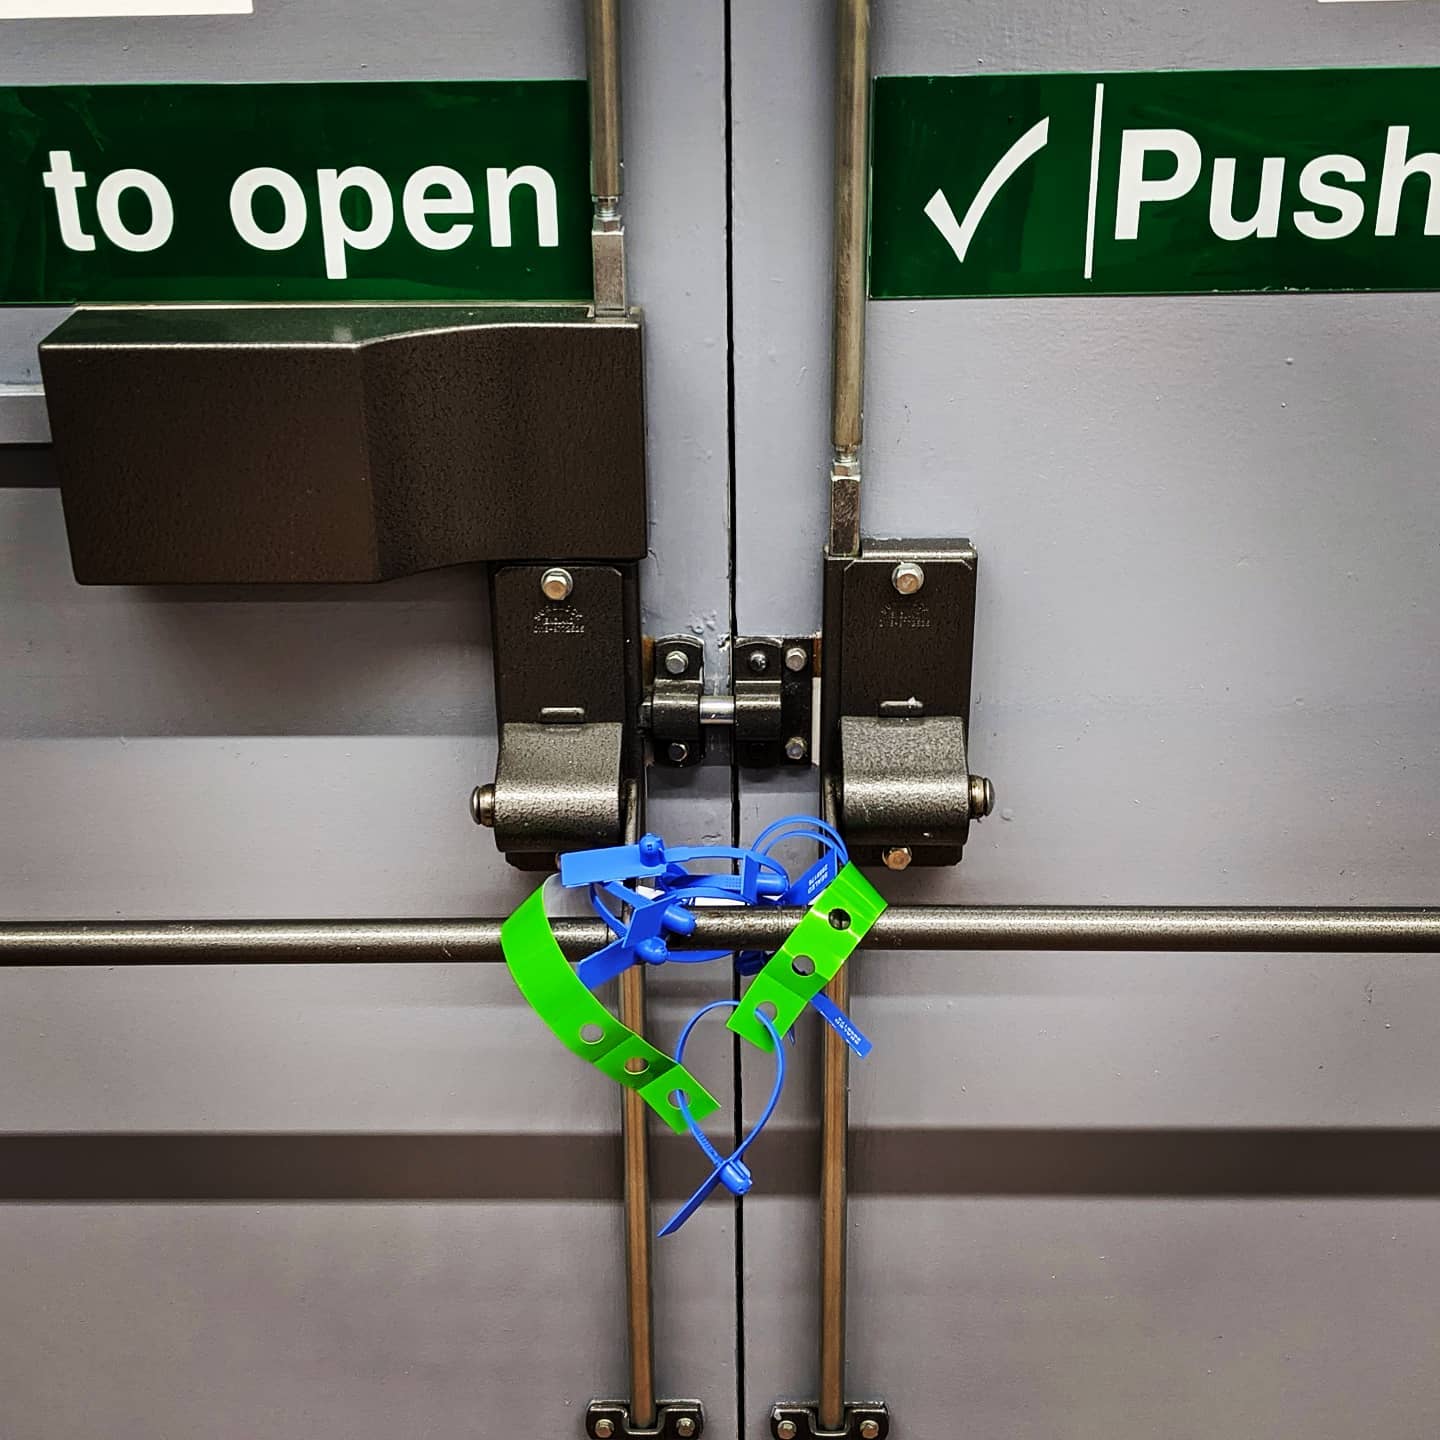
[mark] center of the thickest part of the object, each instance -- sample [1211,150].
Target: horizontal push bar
[903,927]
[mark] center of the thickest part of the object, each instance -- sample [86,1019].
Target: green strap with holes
[839,919]
[548,982]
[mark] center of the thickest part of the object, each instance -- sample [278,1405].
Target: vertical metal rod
[639,1300]
[607,231]
[847,415]
[852,190]
[635,1145]
[834,1182]
[834,1198]
[602,42]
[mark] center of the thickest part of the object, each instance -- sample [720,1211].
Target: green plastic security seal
[818,946]
[584,1025]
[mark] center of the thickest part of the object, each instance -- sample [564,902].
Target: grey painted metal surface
[1206,662]
[311,752]
[1206,670]
[23,418]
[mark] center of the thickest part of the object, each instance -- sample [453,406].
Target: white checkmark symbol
[959,234]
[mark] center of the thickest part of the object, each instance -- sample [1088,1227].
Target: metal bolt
[982,797]
[796,659]
[482,806]
[759,662]
[604,1428]
[557,584]
[898,857]
[679,751]
[786,1430]
[870,1430]
[676,662]
[908,577]
[684,1425]
[796,748]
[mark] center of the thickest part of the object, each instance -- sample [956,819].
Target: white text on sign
[437,206]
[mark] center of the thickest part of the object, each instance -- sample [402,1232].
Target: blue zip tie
[614,862]
[728,1170]
[641,925]
[651,859]
[641,939]
[841,1024]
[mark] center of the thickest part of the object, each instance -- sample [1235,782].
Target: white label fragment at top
[77,9]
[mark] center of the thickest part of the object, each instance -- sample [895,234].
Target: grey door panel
[1206,671]
[311,753]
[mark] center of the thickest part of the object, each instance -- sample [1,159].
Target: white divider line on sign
[92,9]
[1094,183]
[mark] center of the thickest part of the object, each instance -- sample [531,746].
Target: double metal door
[1151,1195]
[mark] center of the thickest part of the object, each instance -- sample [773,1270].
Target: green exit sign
[471,190]
[1186,182]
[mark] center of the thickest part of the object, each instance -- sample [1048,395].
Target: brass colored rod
[635,1155]
[639,1298]
[834,1190]
[834,1201]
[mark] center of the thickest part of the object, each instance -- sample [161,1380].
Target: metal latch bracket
[900,635]
[770,708]
[566,642]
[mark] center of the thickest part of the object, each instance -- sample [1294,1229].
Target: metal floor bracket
[864,1420]
[674,1420]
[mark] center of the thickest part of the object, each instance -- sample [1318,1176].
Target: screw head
[786,1430]
[982,797]
[684,1425]
[676,662]
[796,748]
[758,661]
[604,1428]
[556,584]
[679,751]
[870,1429]
[908,577]
[898,857]
[796,659]
[482,806]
